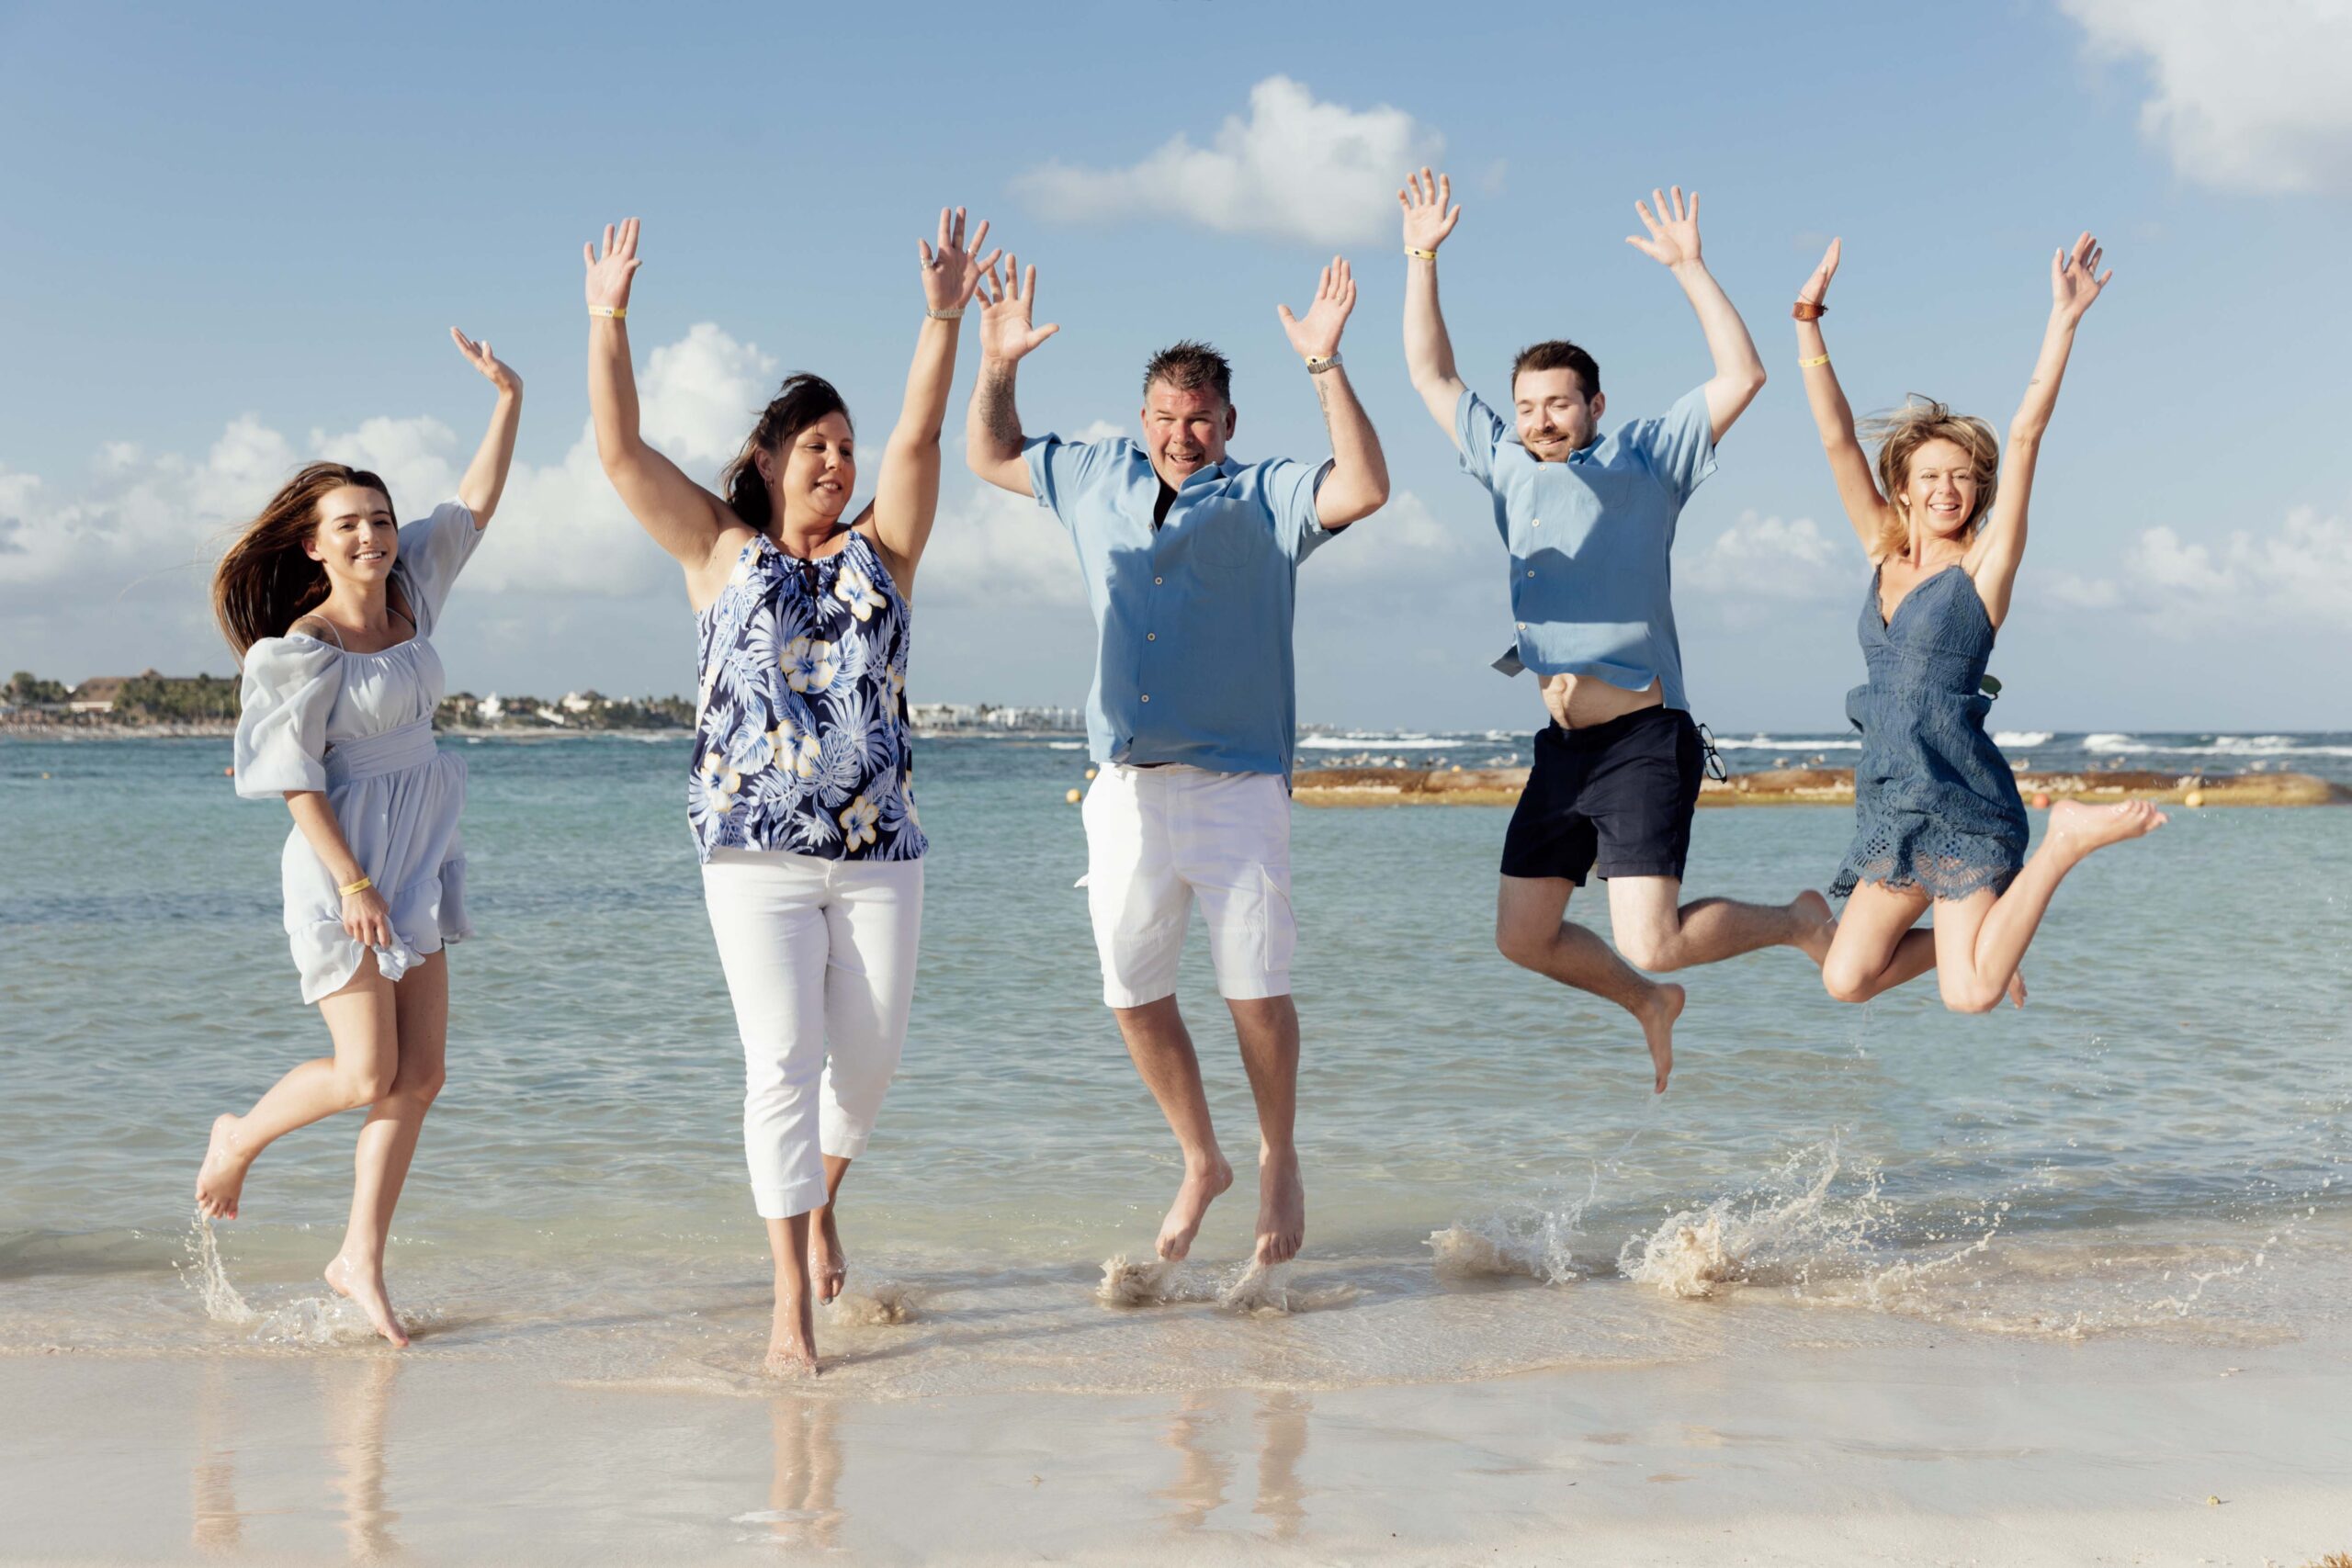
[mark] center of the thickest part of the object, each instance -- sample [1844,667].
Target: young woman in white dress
[332,606]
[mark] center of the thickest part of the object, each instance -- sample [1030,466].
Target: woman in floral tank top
[799,792]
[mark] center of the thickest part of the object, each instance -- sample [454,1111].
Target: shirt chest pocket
[1227,538]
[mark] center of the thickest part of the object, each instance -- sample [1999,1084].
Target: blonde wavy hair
[1901,433]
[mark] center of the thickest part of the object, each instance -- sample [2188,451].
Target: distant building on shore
[936,718]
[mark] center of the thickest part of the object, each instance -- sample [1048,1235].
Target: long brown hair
[801,402]
[1901,433]
[265,583]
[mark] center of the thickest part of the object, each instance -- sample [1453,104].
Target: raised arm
[2075,283]
[906,498]
[1357,485]
[1866,509]
[992,438]
[485,478]
[1428,350]
[684,518]
[1673,243]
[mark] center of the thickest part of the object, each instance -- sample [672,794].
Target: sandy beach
[1966,1449]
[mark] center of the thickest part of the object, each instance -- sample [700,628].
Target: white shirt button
[1538,523]
[1522,625]
[1530,572]
[1151,636]
[1154,582]
[1146,696]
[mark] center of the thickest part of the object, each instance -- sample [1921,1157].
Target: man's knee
[1647,947]
[1524,943]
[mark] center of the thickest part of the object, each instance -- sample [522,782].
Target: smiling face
[1554,416]
[814,471]
[1940,490]
[355,537]
[1184,431]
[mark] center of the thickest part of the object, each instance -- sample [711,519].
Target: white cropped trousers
[820,957]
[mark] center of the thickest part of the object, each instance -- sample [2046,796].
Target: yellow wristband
[361,886]
[1809,364]
[1418,254]
[617,312]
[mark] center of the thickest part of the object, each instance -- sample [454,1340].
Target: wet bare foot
[1658,1016]
[365,1284]
[2016,989]
[2078,828]
[1203,1182]
[828,1264]
[1811,911]
[1281,1207]
[220,1180]
[791,1338]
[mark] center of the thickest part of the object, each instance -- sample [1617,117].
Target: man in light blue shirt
[1190,559]
[1587,519]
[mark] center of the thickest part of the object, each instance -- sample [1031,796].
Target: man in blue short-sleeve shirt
[1587,519]
[1191,560]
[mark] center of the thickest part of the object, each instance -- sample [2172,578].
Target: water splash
[204,1272]
[884,1304]
[1783,1228]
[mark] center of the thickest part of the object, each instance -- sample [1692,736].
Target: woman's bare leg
[792,1337]
[1879,943]
[828,1264]
[362,1021]
[387,1143]
[1980,940]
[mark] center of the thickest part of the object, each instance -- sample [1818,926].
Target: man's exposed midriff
[1580,701]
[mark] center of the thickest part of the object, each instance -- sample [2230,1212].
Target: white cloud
[1407,541]
[2298,573]
[1766,558]
[1296,168]
[2244,96]
[560,529]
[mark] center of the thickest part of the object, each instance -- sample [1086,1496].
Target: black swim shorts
[1614,798]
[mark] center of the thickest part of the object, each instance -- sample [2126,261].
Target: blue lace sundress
[1936,805]
[801,741]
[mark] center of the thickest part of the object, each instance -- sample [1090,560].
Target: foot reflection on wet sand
[1205,1469]
[801,1510]
[357,1396]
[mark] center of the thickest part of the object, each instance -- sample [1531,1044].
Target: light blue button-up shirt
[1591,540]
[1194,661]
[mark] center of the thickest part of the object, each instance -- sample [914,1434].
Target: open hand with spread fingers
[950,272]
[1316,335]
[478,355]
[2075,278]
[1007,333]
[1428,218]
[1816,287]
[1673,231]
[609,274]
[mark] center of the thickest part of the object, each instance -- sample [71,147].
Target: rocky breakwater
[1813,786]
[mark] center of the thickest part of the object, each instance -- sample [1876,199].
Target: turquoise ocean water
[2159,1144]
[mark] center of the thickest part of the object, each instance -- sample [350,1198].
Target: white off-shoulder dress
[359,726]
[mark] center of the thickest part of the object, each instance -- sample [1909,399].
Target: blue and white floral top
[801,742]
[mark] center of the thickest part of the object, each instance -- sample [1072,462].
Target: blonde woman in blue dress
[1938,821]
[799,789]
[332,606]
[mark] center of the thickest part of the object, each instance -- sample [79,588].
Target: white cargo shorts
[1157,837]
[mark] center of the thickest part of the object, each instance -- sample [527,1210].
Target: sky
[235,238]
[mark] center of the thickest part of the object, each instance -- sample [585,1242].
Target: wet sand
[1973,1449]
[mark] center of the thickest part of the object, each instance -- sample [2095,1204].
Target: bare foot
[220,1180]
[2016,989]
[1203,1182]
[2078,828]
[1658,1016]
[828,1264]
[365,1284]
[1816,924]
[1281,1207]
[791,1338]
